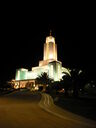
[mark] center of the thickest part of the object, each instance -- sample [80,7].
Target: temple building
[49,64]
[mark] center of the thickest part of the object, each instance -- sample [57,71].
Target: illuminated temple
[49,64]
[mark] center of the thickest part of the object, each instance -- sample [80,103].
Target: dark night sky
[24,33]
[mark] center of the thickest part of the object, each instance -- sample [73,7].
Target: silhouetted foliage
[73,83]
[44,80]
[78,79]
[66,83]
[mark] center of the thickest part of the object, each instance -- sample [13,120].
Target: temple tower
[50,49]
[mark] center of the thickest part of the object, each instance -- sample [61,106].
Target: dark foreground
[83,106]
[35,110]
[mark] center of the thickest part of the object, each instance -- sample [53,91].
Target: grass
[85,107]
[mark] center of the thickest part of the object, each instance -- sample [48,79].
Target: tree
[44,80]
[75,82]
[78,81]
[66,83]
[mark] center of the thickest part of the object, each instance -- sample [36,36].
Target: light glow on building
[49,64]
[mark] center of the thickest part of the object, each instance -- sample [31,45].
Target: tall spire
[50,32]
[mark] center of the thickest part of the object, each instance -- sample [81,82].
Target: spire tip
[50,32]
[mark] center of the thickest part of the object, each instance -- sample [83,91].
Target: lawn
[85,107]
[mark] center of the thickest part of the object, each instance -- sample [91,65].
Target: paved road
[35,110]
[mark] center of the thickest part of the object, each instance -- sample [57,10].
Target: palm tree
[44,80]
